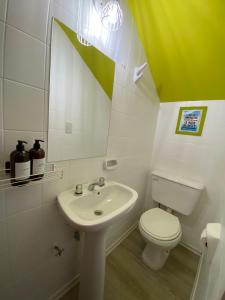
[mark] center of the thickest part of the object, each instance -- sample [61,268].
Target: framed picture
[191,120]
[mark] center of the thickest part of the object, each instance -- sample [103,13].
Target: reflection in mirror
[81,86]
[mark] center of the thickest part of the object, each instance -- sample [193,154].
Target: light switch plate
[68,127]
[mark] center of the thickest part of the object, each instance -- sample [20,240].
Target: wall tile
[49,26]
[2,206]
[3,237]
[1,103]
[58,229]
[8,293]
[63,15]
[46,112]
[89,170]
[28,245]
[5,271]
[52,189]
[29,16]
[47,68]
[69,5]
[50,276]
[23,199]
[2,165]
[23,107]
[2,31]
[24,58]
[3,6]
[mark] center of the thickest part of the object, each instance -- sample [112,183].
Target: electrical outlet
[69,127]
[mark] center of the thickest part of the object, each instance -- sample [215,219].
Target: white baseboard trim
[194,289]
[73,282]
[65,289]
[121,239]
[190,248]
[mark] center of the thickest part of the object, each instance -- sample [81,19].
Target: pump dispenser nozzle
[37,145]
[20,145]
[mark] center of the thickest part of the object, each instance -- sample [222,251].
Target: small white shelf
[52,173]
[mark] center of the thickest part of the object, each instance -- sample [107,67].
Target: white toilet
[160,228]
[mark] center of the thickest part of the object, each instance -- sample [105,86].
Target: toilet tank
[176,193]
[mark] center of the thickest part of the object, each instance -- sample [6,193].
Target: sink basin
[95,210]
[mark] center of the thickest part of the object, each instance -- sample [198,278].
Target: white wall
[29,219]
[198,158]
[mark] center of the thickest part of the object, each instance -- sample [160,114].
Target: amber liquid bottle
[37,157]
[20,165]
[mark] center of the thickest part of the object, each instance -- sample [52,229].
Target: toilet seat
[159,225]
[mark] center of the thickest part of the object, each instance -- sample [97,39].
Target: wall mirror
[81,87]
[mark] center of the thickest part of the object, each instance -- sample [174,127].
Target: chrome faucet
[101,182]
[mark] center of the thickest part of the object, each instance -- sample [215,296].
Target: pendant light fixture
[81,24]
[110,13]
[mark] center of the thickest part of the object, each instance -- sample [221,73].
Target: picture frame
[191,120]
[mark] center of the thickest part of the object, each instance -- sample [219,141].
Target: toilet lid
[160,224]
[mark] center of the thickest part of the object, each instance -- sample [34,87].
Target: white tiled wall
[198,158]
[29,219]
[26,62]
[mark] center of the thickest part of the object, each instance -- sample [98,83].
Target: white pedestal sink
[93,212]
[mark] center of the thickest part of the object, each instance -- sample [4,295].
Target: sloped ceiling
[184,41]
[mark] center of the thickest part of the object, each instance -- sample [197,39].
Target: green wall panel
[184,41]
[101,66]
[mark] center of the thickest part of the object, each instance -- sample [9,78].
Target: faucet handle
[79,189]
[101,181]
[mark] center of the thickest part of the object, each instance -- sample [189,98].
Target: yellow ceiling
[184,41]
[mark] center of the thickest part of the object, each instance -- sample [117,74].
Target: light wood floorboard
[127,278]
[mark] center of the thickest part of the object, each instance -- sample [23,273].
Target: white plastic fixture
[110,164]
[139,72]
[210,238]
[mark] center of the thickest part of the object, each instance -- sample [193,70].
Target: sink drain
[98,212]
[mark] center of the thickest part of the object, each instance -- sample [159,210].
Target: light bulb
[83,41]
[112,15]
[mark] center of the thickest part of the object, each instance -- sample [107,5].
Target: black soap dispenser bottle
[37,156]
[20,164]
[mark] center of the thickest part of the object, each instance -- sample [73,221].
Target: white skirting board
[198,271]
[194,289]
[190,248]
[68,286]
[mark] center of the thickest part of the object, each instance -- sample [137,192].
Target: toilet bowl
[160,229]
[162,232]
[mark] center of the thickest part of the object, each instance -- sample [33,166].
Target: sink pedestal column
[92,276]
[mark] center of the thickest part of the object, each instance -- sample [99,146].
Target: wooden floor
[127,278]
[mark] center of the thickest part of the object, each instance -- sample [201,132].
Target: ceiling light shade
[112,15]
[83,41]
[81,24]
